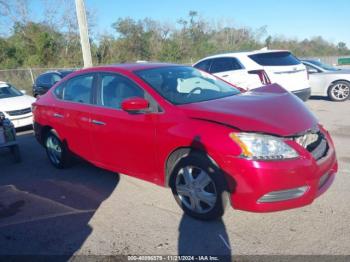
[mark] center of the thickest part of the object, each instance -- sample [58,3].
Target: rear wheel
[57,151]
[339,91]
[199,187]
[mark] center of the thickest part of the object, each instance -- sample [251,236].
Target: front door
[123,142]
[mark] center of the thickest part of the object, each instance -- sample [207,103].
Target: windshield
[7,91]
[323,66]
[184,85]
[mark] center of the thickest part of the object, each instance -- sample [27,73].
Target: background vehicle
[184,128]
[252,69]
[16,105]
[8,137]
[46,80]
[326,80]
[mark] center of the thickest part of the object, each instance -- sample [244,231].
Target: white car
[15,105]
[326,80]
[250,70]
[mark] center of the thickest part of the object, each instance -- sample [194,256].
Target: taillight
[264,78]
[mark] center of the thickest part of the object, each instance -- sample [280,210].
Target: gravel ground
[87,211]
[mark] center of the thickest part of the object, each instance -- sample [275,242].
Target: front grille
[314,142]
[19,112]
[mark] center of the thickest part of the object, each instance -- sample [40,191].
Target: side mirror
[312,71]
[135,104]
[23,92]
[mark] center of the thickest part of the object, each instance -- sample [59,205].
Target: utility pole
[84,34]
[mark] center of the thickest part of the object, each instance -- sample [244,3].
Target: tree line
[53,44]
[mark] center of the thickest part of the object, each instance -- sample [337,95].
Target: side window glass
[44,80]
[55,78]
[59,91]
[236,65]
[78,89]
[221,65]
[115,89]
[38,81]
[204,65]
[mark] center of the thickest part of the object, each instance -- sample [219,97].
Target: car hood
[269,109]
[16,103]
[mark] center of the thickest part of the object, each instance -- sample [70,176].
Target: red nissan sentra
[179,127]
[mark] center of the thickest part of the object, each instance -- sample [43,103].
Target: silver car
[326,80]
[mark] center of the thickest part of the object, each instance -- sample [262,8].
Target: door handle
[57,115]
[99,123]
[225,76]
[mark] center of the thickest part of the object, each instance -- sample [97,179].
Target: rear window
[275,59]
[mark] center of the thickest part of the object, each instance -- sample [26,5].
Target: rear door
[72,113]
[283,68]
[230,70]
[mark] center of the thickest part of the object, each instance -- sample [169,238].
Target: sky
[292,19]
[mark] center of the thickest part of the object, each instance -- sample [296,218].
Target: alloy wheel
[340,91]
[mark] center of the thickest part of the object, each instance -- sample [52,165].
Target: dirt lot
[85,210]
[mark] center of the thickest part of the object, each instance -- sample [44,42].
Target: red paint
[135,104]
[140,144]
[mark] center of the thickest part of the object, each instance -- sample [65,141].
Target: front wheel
[57,151]
[199,187]
[339,91]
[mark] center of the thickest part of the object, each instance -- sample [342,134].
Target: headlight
[263,147]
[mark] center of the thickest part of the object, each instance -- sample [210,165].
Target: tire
[16,153]
[57,151]
[339,91]
[199,187]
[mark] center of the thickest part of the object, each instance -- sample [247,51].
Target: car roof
[130,67]
[142,66]
[243,54]
[59,72]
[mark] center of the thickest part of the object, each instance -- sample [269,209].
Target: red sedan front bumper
[260,184]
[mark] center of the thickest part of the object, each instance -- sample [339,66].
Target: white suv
[252,69]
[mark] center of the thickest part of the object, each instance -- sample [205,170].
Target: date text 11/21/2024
[173,258]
